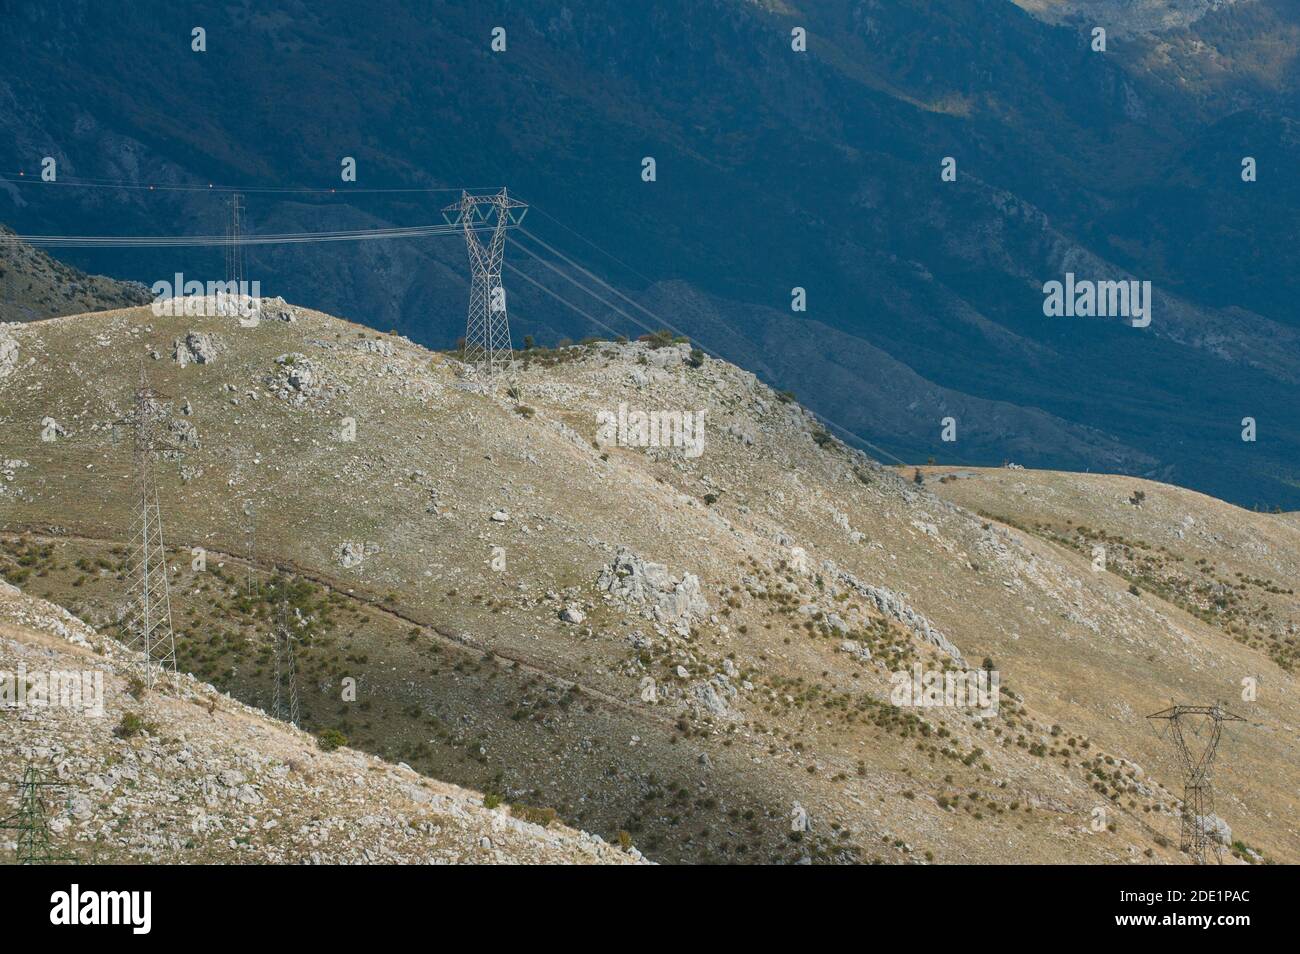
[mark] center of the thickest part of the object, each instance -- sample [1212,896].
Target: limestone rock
[642,584]
[197,348]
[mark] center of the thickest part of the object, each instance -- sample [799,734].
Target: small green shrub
[330,739]
[538,816]
[130,726]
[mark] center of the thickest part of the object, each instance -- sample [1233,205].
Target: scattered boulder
[742,434]
[1215,828]
[354,554]
[855,648]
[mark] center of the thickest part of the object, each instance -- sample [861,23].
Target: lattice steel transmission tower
[286,670]
[487,329]
[149,626]
[244,472]
[1198,789]
[250,542]
[31,821]
[234,243]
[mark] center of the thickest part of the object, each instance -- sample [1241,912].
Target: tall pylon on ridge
[487,329]
[31,821]
[1198,789]
[234,243]
[149,623]
[286,669]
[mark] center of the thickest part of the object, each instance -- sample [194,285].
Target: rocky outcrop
[352,554]
[275,309]
[197,348]
[295,378]
[895,607]
[8,354]
[650,587]
[713,697]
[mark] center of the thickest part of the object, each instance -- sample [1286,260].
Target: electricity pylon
[31,821]
[149,626]
[286,670]
[234,244]
[1198,789]
[487,329]
[250,541]
[245,462]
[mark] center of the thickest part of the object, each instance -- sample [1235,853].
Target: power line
[90,182]
[596,278]
[572,281]
[828,422]
[532,281]
[612,257]
[284,238]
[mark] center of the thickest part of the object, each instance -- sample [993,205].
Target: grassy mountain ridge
[771,675]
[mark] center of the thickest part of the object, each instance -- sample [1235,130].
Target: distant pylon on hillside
[250,543]
[1198,790]
[234,242]
[286,669]
[149,623]
[245,462]
[487,328]
[31,821]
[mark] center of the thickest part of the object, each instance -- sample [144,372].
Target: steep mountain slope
[33,285]
[481,560]
[184,774]
[1144,16]
[776,169]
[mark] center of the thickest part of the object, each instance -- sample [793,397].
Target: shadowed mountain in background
[775,169]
